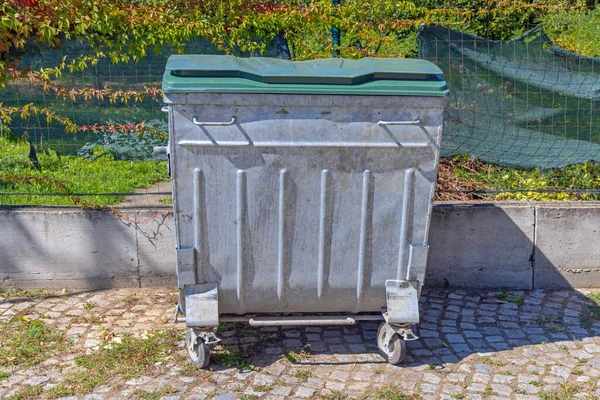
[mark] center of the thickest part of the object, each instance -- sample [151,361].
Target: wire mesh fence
[521,103]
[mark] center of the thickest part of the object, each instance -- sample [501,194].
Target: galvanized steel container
[302,187]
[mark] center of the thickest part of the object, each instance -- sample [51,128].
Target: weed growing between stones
[505,296]
[28,392]
[391,392]
[566,391]
[125,357]
[28,342]
[490,361]
[337,395]
[297,356]
[303,374]
[226,358]
[14,292]
[129,298]
[155,394]
[592,312]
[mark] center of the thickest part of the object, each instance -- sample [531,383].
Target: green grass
[490,361]
[4,375]
[126,358]
[58,392]
[28,294]
[226,358]
[297,356]
[27,392]
[566,391]
[28,342]
[335,395]
[70,174]
[155,394]
[594,309]
[509,298]
[391,392]
[303,374]
[463,172]
[166,200]
[261,388]
[129,298]
[591,313]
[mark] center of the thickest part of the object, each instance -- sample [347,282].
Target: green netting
[522,103]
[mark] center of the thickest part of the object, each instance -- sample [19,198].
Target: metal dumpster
[302,191]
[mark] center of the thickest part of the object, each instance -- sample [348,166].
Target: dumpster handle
[200,123]
[415,122]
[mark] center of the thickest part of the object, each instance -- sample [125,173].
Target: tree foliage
[126,30]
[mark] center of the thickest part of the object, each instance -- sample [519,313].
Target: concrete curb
[512,245]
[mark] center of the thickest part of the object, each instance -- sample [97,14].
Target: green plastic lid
[366,76]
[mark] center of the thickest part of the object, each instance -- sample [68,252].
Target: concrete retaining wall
[512,245]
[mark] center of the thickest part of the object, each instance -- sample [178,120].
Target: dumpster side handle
[413,122]
[226,123]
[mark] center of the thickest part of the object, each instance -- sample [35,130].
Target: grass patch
[28,342]
[458,396]
[463,172]
[4,375]
[155,394]
[297,356]
[58,392]
[226,358]
[535,383]
[70,174]
[592,311]
[391,392]
[490,361]
[261,388]
[126,357]
[27,392]
[26,294]
[580,361]
[303,374]
[166,200]
[488,392]
[88,305]
[550,322]
[336,395]
[595,307]
[129,298]
[566,391]
[188,369]
[86,319]
[509,298]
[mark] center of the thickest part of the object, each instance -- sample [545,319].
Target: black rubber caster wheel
[198,351]
[391,347]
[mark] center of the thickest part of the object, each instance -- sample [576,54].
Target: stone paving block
[355,366]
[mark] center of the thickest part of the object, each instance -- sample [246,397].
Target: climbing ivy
[126,30]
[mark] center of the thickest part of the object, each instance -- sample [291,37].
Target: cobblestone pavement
[473,345]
